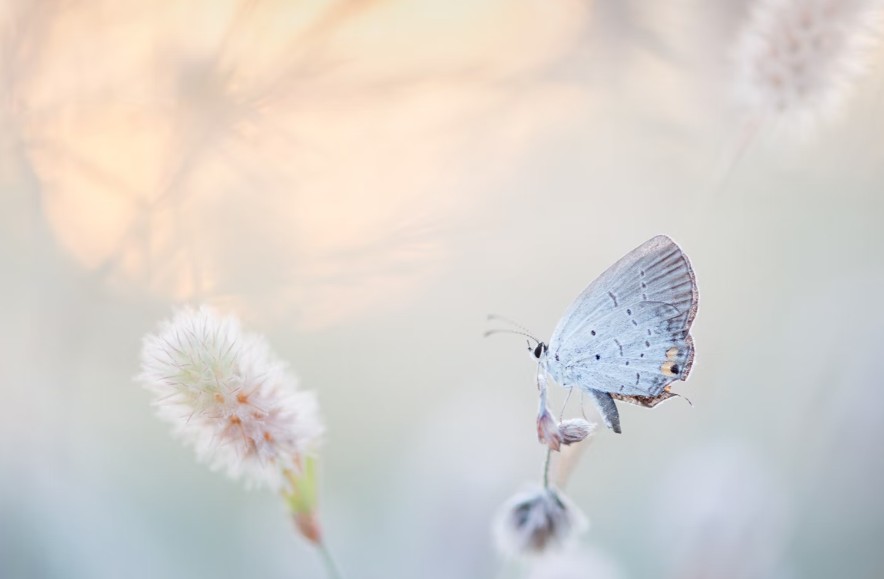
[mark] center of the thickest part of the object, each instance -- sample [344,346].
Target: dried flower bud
[548,429]
[308,525]
[574,430]
[533,522]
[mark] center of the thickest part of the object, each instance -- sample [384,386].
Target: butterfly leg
[607,408]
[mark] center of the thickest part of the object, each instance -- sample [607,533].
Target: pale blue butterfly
[626,337]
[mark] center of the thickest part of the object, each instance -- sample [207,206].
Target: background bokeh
[363,182]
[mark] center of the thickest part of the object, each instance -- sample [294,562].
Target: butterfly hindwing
[632,358]
[627,333]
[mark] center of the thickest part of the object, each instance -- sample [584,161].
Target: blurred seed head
[797,59]
[229,397]
[575,430]
[534,522]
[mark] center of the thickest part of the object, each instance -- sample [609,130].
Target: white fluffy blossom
[226,394]
[575,430]
[796,58]
[536,521]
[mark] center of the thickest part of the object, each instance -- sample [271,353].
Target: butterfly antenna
[492,317]
[523,330]
[508,331]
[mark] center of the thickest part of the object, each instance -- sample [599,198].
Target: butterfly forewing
[627,333]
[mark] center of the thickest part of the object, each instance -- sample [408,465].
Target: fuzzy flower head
[575,430]
[796,59]
[534,522]
[227,395]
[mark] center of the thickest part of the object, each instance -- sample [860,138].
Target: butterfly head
[539,350]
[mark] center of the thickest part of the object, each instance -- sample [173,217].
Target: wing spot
[620,346]
[628,312]
[613,297]
[598,357]
[627,362]
[669,369]
[634,323]
[649,331]
[642,355]
[592,332]
[647,344]
[643,273]
[644,285]
[637,378]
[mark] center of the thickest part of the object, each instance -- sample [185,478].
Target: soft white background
[364,182]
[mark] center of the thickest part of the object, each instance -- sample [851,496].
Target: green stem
[546,468]
[331,568]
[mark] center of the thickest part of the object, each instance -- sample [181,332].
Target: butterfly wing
[627,333]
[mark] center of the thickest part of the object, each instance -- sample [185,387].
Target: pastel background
[363,182]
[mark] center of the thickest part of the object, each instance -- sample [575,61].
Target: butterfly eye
[539,349]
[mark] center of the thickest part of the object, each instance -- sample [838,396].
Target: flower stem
[331,568]
[546,468]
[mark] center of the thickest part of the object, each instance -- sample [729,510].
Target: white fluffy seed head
[796,59]
[575,430]
[227,395]
[537,521]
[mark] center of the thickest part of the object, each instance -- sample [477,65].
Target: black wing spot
[644,285]
[592,332]
[613,297]
[637,378]
[649,331]
[675,368]
[642,355]
[647,344]
[643,273]
[634,323]
[598,357]
[622,386]
[628,312]
[627,362]
[645,296]
[557,357]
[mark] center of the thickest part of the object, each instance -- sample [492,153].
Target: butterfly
[627,336]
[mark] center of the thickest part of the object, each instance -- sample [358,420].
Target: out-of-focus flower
[533,522]
[226,394]
[575,430]
[796,58]
[574,564]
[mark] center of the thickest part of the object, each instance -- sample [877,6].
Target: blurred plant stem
[546,468]
[302,501]
[331,567]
